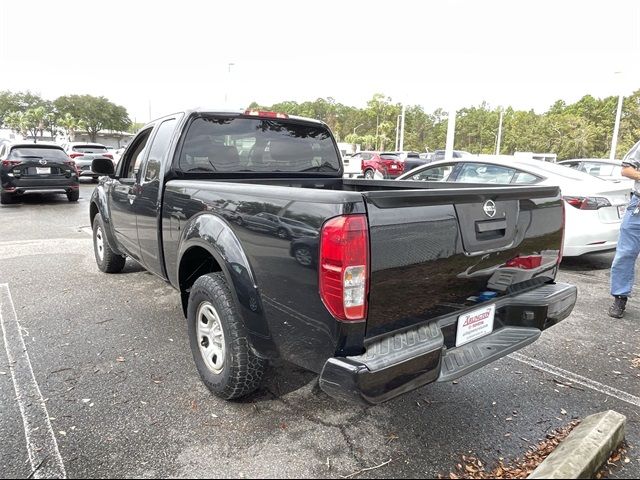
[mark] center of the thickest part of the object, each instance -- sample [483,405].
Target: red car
[388,164]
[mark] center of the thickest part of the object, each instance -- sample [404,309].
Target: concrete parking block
[586,449]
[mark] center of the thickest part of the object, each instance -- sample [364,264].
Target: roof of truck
[229,111]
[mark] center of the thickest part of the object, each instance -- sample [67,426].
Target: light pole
[354,130]
[401,143]
[451,134]
[616,126]
[499,133]
[397,132]
[226,94]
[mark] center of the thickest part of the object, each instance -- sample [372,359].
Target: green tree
[95,113]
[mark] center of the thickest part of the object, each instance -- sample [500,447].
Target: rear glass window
[38,152]
[90,149]
[597,168]
[223,144]
[389,156]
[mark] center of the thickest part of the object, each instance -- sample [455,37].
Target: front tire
[108,261]
[369,174]
[219,343]
[282,233]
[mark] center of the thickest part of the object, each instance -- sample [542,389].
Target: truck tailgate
[435,253]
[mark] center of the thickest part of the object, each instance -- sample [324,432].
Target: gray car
[84,153]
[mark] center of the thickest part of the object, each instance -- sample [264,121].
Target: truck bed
[433,250]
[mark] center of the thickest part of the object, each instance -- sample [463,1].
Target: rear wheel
[73,196]
[303,256]
[108,261]
[369,174]
[219,343]
[6,198]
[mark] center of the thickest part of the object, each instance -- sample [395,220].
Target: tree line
[30,115]
[583,129]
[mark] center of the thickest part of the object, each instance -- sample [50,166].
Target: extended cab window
[240,144]
[159,149]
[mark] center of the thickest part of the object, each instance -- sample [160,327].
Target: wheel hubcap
[100,243]
[210,337]
[303,256]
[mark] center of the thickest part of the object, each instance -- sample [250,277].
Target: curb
[586,449]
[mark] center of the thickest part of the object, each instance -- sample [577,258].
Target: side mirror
[103,166]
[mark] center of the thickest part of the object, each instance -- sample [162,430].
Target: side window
[524,177]
[158,150]
[574,165]
[131,163]
[434,174]
[485,173]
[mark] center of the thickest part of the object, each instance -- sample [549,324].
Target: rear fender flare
[213,234]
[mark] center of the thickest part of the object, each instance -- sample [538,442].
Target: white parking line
[42,446]
[577,379]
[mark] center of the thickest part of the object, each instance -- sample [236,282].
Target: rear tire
[6,198]
[108,261]
[219,343]
[73,196]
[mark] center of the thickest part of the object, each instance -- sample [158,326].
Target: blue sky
[172,56]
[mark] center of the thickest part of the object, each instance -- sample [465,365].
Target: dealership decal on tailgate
[476,324]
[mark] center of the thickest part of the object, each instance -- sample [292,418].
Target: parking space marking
[577,379]
[42,445]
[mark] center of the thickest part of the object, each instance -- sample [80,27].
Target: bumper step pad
[459,361]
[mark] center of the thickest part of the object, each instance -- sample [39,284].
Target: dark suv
[36,167]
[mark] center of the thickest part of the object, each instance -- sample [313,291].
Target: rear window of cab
[238,144]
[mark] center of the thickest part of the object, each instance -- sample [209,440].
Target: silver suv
[84,153]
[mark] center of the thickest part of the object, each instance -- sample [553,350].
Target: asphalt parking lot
[110,357]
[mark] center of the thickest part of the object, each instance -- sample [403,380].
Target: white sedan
[593,207]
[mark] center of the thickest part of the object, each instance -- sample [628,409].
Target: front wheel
[108,261]
[282,233]
[219,343]
[369,174]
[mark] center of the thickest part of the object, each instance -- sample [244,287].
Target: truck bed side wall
[277,290]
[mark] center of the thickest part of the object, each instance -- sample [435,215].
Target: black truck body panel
[434,249]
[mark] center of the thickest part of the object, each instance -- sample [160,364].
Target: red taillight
[344,267]
[264,113]
[76,155]
[526,263]
[108,155]
[72,164]
[11,163]
[587,203]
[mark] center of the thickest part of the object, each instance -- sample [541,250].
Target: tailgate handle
[491,225]
[491,230]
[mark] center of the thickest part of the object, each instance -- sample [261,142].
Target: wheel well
[93,211]
[196,262]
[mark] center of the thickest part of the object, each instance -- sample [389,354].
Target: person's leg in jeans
[624,264]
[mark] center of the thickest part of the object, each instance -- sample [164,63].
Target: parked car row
[594,207]
[28,167]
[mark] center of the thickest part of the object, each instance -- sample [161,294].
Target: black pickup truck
[379,286]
